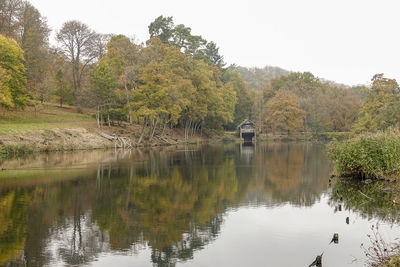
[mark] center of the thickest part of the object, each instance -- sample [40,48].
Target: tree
[342,106]
[381,108]
[5,92]
[63,90]
[103,89]
[303,84]
[34,42]
[243,107]
[182,37]
[210,54]
[284,112]
[10,13]
[164,84]
[194,114]
[221,102]
[327,106]
[13,79]
[78,42]
[122,57]
[259,78]
[162,28]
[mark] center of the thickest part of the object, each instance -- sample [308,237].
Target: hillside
[258,78]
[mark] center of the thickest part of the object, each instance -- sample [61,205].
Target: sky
[346,41]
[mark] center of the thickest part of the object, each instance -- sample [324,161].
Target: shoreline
[80,139]
[89,138]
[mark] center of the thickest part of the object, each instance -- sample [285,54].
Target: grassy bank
[45,117]
[52,128]
[369,155]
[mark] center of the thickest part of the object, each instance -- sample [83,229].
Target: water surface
[214,205]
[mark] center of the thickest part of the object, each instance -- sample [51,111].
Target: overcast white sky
[347,41]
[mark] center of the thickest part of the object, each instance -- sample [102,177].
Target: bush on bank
[368,155]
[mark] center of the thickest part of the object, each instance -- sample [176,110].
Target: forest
[175,79]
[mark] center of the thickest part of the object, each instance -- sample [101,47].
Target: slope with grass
[44,118]
[53,128]
[48,128]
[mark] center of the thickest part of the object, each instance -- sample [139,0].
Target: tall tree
[243,107]
[10,13]
[63,90]
[78,42]
[163,28]
[211,55]
[160,98]
[284,112]
[221,102]
[381,108]
[5,92]
[103,89]
[122,57]
[182,37]
[327,106]
[13,77]
[34,42]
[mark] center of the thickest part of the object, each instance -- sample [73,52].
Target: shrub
[371,155]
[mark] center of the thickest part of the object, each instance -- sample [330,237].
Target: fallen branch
[370,198]
[120,142]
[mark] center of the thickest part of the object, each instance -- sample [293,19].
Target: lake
[211,205]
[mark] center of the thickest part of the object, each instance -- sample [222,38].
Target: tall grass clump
[368,155]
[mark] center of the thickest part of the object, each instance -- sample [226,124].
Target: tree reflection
[284,172]
[172,201]
[12,225]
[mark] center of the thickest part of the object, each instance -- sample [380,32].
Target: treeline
[302,102]
[259,78]
[175,79]
[374,149]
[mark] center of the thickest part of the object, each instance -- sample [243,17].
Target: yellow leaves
[380,109]
[11,228]
[5,93]
[284,112]
[12,78]
[5,209]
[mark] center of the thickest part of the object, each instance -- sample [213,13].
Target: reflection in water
[368,200]
[73,208]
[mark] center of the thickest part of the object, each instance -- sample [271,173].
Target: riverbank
[368,156]
[322,137]
[372,157]
[53,128]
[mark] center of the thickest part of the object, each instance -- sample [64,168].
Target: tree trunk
[127,101]
[142,133]
[98,117]
[153,129]
[163,130]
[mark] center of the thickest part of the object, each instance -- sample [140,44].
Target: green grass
[48,117]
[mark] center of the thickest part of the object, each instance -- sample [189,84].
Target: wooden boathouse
[247,131]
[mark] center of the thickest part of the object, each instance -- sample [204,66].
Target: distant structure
[247,131]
